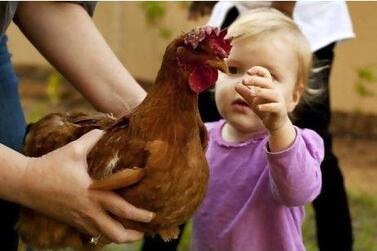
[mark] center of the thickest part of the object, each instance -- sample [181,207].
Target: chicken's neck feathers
[170,108]
[170,92]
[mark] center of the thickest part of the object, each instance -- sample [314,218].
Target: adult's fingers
[86,142]
[115,231]
[118,206]
[88,228]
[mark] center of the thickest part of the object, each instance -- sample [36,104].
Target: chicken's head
[201,53]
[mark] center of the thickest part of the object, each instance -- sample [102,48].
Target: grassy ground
[358,160]
[363,210]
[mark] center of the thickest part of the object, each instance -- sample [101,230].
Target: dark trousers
[12,127]
[334,228]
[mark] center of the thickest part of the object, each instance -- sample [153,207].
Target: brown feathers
[154,157]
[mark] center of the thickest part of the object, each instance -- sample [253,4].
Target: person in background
[316,21]
[67,37]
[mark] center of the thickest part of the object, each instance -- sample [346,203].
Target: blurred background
[138,33]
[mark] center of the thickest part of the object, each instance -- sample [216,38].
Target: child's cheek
[223,91]
[222,77]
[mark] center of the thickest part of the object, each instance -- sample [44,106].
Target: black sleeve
[89,6]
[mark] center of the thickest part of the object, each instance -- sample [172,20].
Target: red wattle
[202,78]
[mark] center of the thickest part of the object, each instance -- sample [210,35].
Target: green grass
[364,220]
[308,229]
[129,247]
[364,217]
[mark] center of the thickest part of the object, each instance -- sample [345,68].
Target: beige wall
[353,54]
[125,28]
[140,47]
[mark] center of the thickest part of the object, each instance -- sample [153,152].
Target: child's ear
[296,95]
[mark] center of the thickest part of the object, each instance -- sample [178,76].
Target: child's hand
[264,98]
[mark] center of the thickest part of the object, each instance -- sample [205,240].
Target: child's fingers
[269,107]
[253,97]
[244,91]
[267,94]
[260,71]
[252,100]
[258,81]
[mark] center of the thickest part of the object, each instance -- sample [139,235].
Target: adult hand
[57,184]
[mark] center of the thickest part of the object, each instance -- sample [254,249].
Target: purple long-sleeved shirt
[255,199]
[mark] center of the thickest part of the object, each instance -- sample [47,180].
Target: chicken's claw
[119,179]
[169,234]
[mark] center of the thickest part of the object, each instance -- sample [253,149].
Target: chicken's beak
[218,64]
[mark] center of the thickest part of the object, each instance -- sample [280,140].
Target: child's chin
[248,125]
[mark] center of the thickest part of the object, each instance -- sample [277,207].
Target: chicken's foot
[169,234]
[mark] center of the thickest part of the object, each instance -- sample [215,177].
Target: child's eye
[273,76]
[234,70]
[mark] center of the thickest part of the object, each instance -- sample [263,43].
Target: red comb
[197,35]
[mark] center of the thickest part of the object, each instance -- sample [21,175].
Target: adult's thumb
[88,140]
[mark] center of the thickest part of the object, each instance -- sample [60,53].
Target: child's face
[273,52]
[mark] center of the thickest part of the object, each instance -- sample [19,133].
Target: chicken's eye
[233,70]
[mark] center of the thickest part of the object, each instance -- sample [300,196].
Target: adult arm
[67,37]
[61,190]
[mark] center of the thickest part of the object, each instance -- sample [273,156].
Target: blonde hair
[263,21]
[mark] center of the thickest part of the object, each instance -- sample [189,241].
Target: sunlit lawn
[364,216]
[364,220]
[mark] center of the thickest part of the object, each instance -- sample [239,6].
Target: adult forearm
[65,34]
[12,169]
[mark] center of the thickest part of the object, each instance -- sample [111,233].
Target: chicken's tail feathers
[98,120]
[121,179]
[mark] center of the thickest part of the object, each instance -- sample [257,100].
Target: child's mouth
[240,105]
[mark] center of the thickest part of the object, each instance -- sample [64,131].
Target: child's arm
[294,159]
[295,172]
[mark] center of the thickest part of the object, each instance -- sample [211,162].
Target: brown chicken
[153,157]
